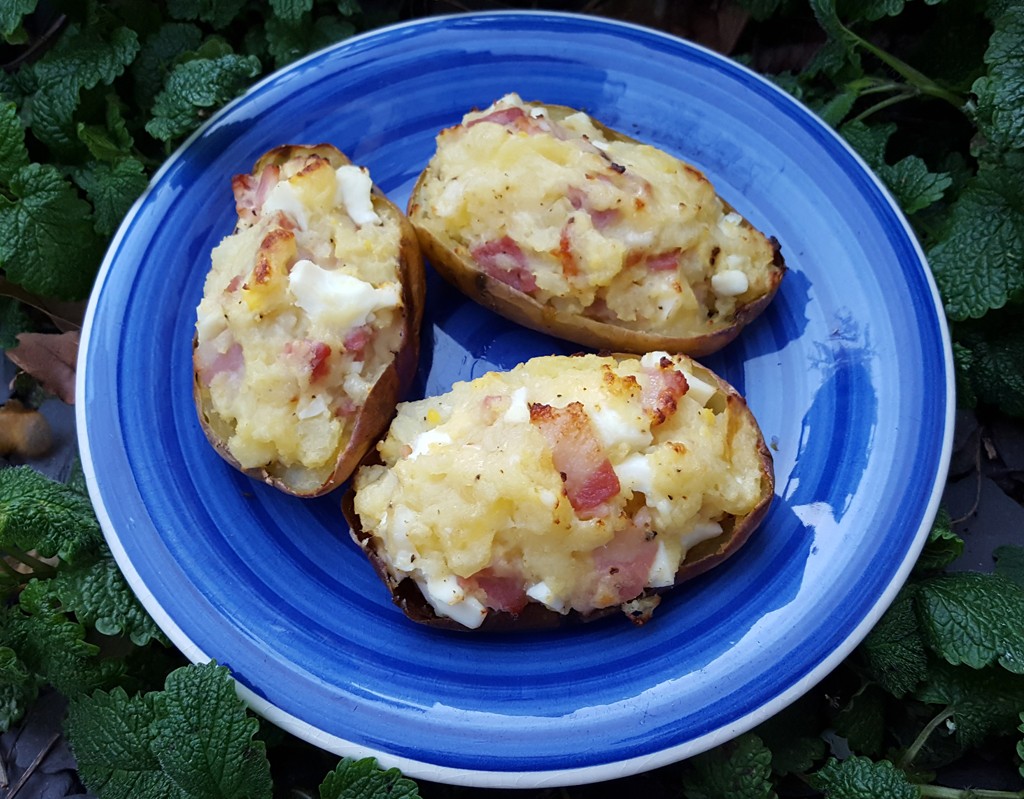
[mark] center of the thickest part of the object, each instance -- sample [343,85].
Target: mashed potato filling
[577,482]
[617,230]
[301,314]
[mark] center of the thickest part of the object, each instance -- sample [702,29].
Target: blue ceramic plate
[848,372]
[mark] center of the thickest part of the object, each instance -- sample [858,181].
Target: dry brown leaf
[50,358]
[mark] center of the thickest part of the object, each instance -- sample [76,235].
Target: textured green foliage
[49,246]
[894,650]
[985,702]
[861,778]
[192,740]
[974,619]
[994,360]
[862,721]
[11,13]
[977,259]
[44,515]
[1010,563]
[942,547]
[1000,113]
[794,737]
[83,59]
[98,596]
[13,153]
[740,769]
[112,188]
[218,13]
[18,686]
[193,88]
[13,320]
[362,779]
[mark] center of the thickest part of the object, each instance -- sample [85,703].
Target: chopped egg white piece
[701,531]
[635,474]
[447,598]
[730,283]
[284,198]
[663,569]
[543,594]
[354,191]
[334,299]
[699,390]
[518,411]
[424,441]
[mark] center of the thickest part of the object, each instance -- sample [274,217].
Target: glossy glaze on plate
[848,373]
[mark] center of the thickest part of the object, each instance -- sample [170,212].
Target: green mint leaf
[18,688]
[218,13]
[942,547]
[85,58]
[869,140]
[291,10]
[13,320]
[111,141]
[894,650]
[860,778]
[112,188]
[49,246]
[871,10]
[192,740]
[362,779]
[977,257]
[98,596]
[194,88]
[349,8]
[963,360]
[997,367]
[53,646]
[11,14]
[914,187]
[739,769]
[1010,563]
[287,41]
[793,737]
[1020,745]
[13,153]
[862,721]
[839,50]
[205,737]
[985,702]
[974,619]
[158,54]
[37,513]
[1000,115]
[110,735]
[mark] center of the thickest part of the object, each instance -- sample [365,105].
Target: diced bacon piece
[663,261]
[622,566]
[665,385]
[210,362]
[579,456]
[566,253]
[512,115]
[502,592]
[503,260]
[600,218]
[318,364]
[250,191]
[356,340]
[312,357]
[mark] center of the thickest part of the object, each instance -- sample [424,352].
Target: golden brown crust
[374,416]
[455,264]
[407,596]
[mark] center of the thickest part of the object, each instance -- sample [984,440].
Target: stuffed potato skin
[566,226]
[561,491]
[308,332]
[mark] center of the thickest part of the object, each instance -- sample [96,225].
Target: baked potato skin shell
[406,594]
[456,265]
[373,417]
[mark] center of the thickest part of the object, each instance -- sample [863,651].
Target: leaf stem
[888,101]
[914,77]
[915,747]
[39,568]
